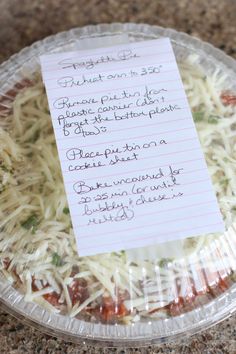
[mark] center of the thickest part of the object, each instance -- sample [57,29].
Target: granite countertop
[25,21]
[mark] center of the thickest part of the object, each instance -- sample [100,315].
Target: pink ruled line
[117,110]
[136,137]
[187,218]
[115,89]
[120,130]
[140,227]
[141,158]
[136,127]
[160,155]
[94,55]
[140,170]
[139,126]
[141,84]
[121,78]
[145,214]
[150,236]
[114,79]
[171,209]
[89,71]
[129,194]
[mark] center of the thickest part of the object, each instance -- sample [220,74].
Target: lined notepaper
[132,164]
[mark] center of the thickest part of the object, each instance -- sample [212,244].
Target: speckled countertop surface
[24,21]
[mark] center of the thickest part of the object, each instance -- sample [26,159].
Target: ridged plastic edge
[75,330]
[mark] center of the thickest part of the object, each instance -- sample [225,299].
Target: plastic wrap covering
[138,297]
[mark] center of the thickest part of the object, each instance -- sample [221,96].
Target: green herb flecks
[56,260]
[224,182]
[198,116]
[164,262]
[66,211]
[31,223]
[212,119]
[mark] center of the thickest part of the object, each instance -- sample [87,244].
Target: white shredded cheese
[35,230]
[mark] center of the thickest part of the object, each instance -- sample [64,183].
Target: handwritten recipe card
[132,164]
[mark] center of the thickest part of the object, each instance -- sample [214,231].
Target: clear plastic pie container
[161,292]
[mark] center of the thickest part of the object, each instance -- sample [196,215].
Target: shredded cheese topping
[37,245]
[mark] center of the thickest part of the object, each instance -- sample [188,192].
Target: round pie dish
[200,272]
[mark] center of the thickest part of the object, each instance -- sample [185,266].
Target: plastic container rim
[140,334]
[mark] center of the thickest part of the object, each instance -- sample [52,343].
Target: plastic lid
[129,298]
